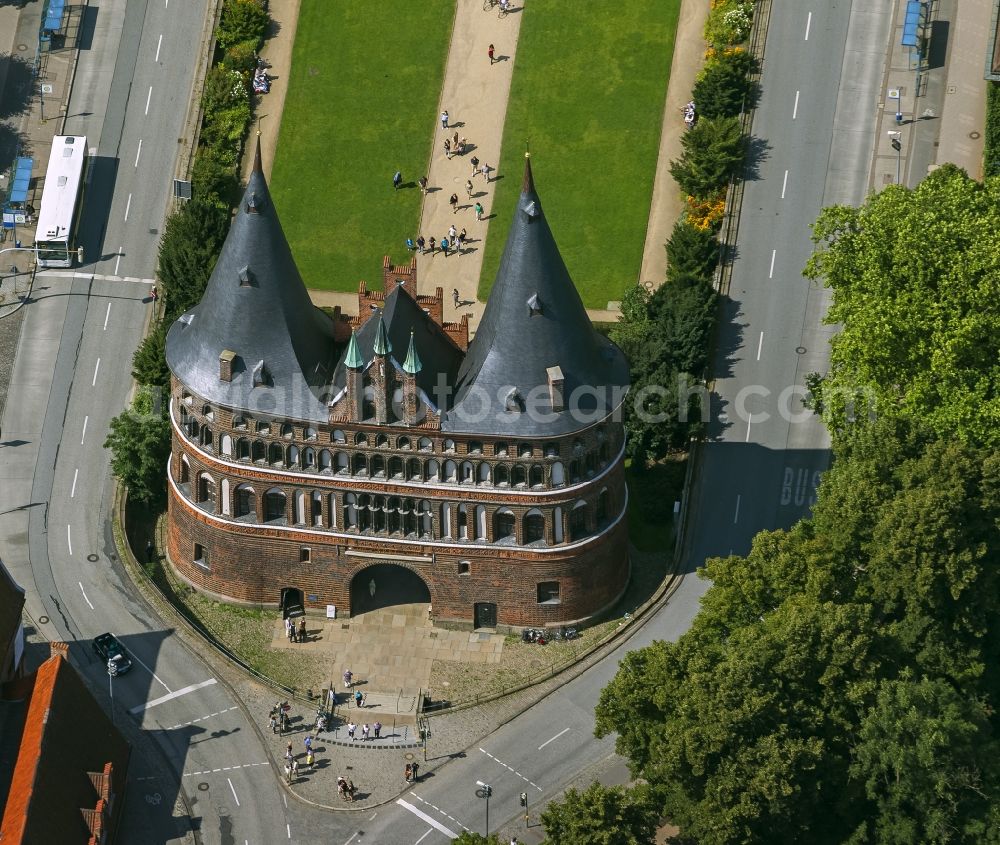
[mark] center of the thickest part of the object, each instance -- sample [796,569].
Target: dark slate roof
[534,320]
[402,315]
[11,603]
[256,305]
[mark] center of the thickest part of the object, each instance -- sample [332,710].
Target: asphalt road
[72,376]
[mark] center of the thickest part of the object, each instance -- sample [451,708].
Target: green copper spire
[412,363]
[382,344]
[354,360]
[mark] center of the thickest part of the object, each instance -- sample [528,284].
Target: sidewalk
[475,94]
[667,204]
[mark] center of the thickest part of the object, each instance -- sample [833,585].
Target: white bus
[62,202]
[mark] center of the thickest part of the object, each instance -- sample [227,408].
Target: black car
[108,648]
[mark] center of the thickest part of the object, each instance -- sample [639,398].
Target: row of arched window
[413,469]
[399,516]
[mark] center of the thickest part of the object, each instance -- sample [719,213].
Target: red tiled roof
[66,738]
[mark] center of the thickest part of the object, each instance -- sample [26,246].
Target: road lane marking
[372,817]
[510,769]
[84,594]
[159,43]
[148,97]
[736,515]
[55,274]
[138,153]
[108,312]
[199,719]
[170,695]
[72,491]
[420,814]
[749,423]
[353,837]
[564,730]
[288,830]
[83,435]
[770,273]
[118,261]
[430,830]
[97,366]
[128,206]
[209,771]
[233,788]
[760,343]
[69,539]
[784,185]
[795,108]
[809,20]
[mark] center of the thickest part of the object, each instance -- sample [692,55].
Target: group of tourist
[296,634]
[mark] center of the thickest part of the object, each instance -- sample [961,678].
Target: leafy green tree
[149,365]
[242,20]
[828,667]
[139,441]
[602,815]
[214,178]
[692,253]
[190,245]
[467,837]
[914,281]
[712,153]
[724,88]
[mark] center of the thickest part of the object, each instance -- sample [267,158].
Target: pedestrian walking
[468,187]
[273,724]
[302,630]
[351,728]
[447,148]
[414,768]
[357,698]
[288,628]
[454,140]
[444,246]
[431,243]
[462,236]
[282,722]
[475,165]
[452,231]
[288,752]
[479,211]
[453,202]
[421,244]
[310,761]
[295,770]
[444,119]
[288,772]
[489,52]
[460,243]
[486,171]
[377,728]
[462,144]
[364,732]
[422,182]
[342,786]
[397,180]
[308,742]
[351,788]
[410,245]
[408,773]
[454,295]
[348,677]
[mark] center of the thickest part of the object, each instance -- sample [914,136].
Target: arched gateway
[385,585]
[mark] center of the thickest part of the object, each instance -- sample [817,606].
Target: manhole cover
[800,350]
[92,558]
[408,755]
[22,47]
[952,89]
[203,787]
[46,89]
[43,620]
[974,135]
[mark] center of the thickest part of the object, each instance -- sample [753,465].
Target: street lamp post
[485,791]
[14,271]
[112,672]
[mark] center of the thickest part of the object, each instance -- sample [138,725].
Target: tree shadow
[757,152]
[17,78]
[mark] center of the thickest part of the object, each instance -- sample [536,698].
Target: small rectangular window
[464,567]
[200,556]
[548,592]
[305,554]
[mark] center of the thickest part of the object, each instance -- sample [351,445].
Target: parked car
[108,648]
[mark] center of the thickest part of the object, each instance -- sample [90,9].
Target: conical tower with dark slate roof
[256,313]
[535,346]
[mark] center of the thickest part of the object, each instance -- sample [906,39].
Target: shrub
[242,20]
[149,364]
[241,57]
[189,248]
[991,147]
[724,87]
[713,152]
[706,214]
[728,23]
[214,177]
[691,250]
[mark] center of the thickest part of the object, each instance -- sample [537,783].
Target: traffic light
[524,799]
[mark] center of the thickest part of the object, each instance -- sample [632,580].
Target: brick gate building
[391,459]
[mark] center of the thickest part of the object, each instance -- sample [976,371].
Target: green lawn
[588,93]
[362,102]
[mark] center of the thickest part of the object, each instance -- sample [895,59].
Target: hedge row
[991,147]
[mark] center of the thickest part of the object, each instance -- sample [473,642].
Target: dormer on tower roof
[256,306]
[535,321]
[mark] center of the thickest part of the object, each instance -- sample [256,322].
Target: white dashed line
[510,769]
[442,812]
[97,366]
[809,21]
[211,771]
[749,423]
[69,539]
[199,719]
[72,490]
[138,153]
[420,814]
[428,832]
[736,516]
[795,109]
[159,44]
[83,434]
[553,739]
[233,788]
[149,96]
[107,314]
[84,594]
[760,344]
[784,184]
[770,273]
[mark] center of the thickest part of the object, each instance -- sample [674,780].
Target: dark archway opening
[393,585]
